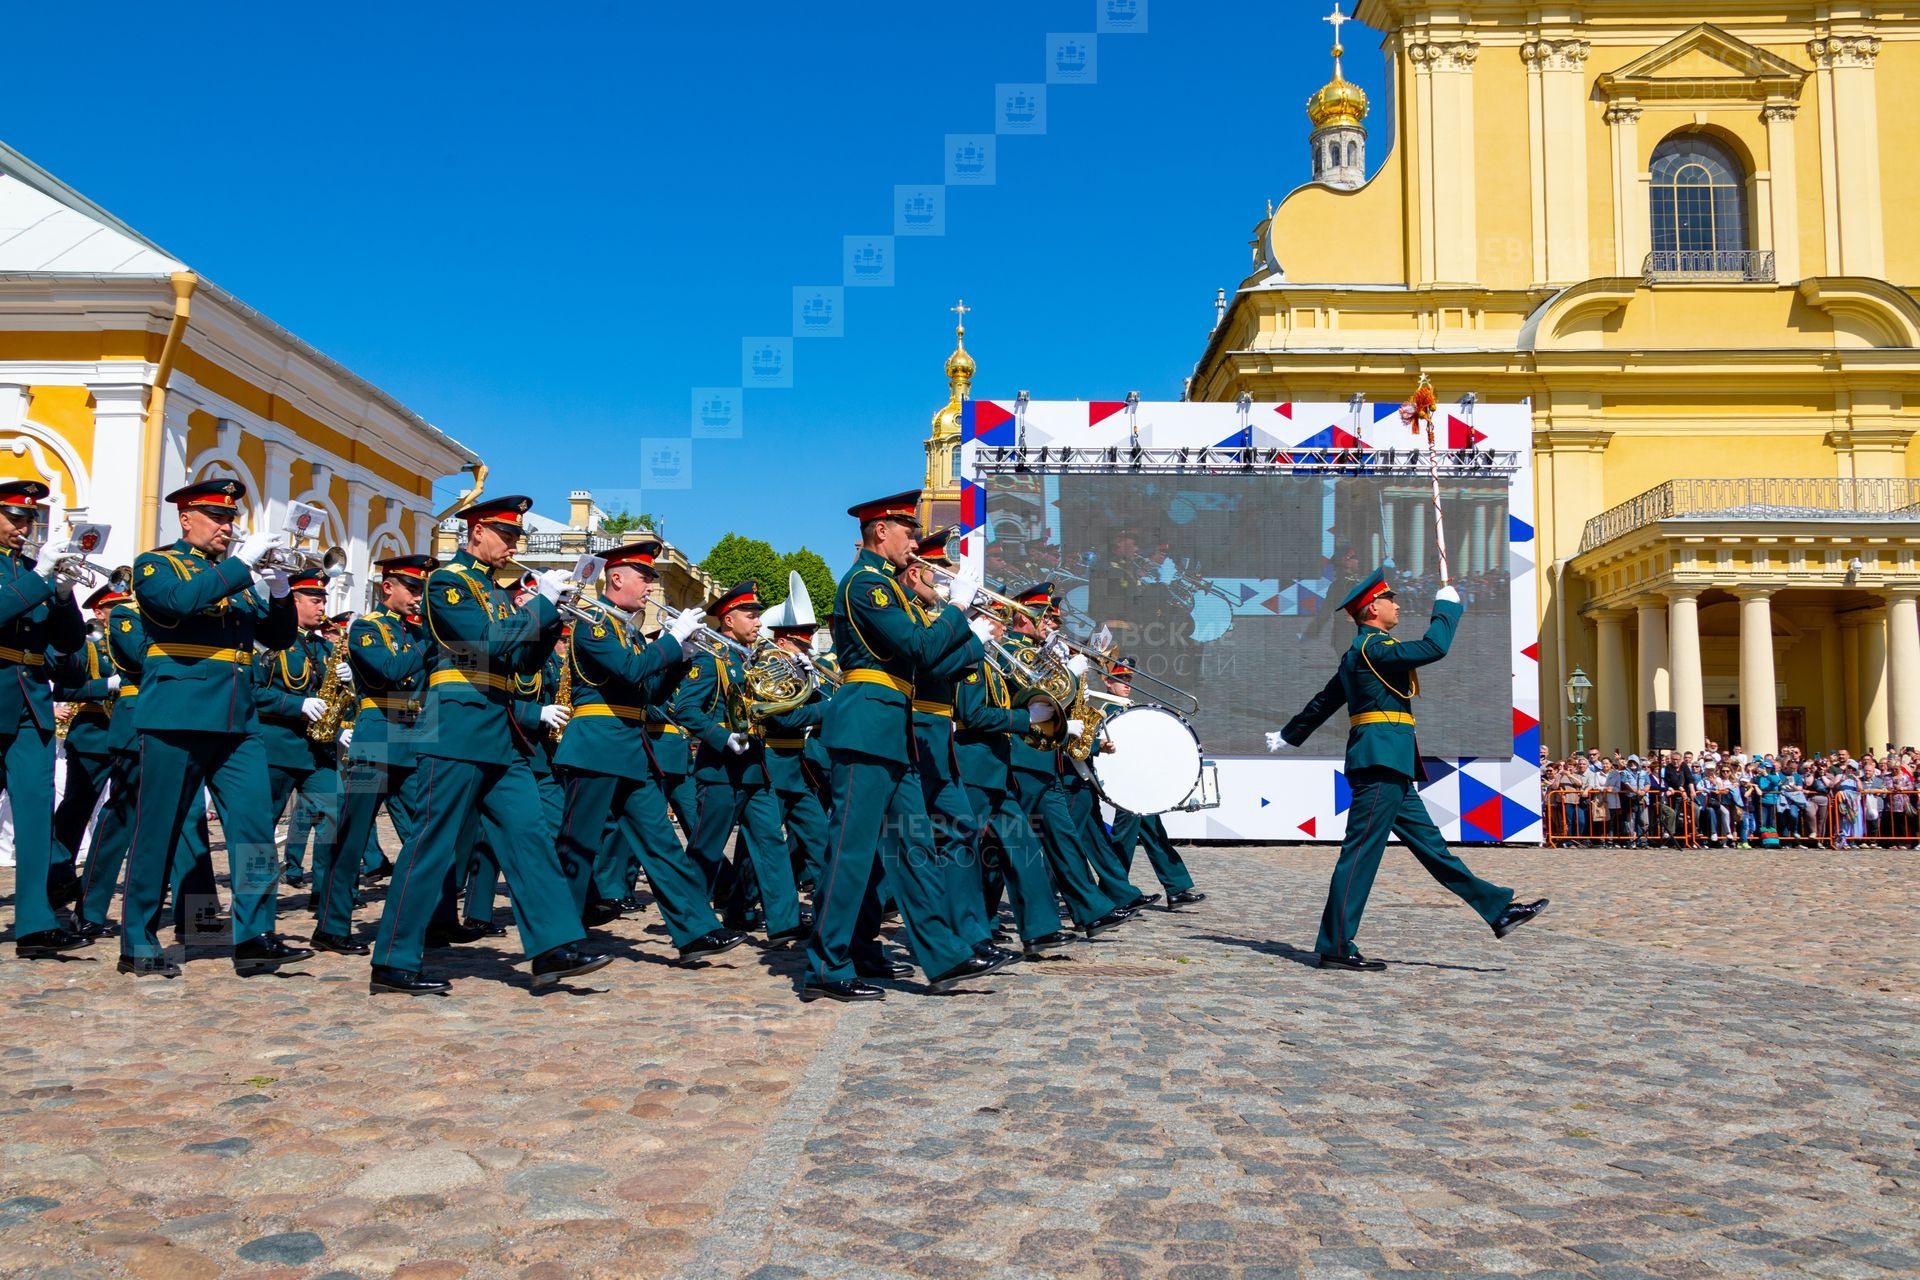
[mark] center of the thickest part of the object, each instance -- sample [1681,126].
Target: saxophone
[337,694]
[563,695]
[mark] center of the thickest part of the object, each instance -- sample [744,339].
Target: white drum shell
[1155,763]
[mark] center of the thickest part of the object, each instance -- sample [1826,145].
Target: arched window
[1699,200]
[1353,155]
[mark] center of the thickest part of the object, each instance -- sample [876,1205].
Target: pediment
[1705,63]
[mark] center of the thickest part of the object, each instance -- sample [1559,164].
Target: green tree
[623,521]
[814,572]
[735,558]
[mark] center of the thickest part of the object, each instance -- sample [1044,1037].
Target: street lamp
[1578,687]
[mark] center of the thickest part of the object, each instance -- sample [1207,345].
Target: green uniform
[1376,683]
[388,655]
[284,680]
[985,722]
[83,680]
[734,790]
[192,882]
[614,800]
[198,725]
[1131,830]
[475,772]
[879,824]
[673,756]
[32,622]
[478,881]
[791,740]
[1040,782]
[955,827]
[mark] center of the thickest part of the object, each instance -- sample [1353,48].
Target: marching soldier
[614,802]
[288,688]
[1130,830]
[985,722]
[192,879]
[1039,781]
[885,642]
[789,736]
[87,686]
[206,600]
[304,824]
[1376,682]
[387,667]
[731,770]
[474,773]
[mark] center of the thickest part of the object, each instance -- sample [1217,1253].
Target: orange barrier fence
[1578,818]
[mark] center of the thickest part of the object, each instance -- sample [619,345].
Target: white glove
[253,548]
[1040,713]
[1076,727]
[1277,743]
[553,715]
[551,584]
[965,585]
[1078,664]
[346,738]
[983,629]
[273,579]
[685,625]
[343,672]
[1448,594]
[51,557]
[313,708]
[113,684]
[738,743]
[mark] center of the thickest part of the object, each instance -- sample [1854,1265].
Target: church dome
[1338,103]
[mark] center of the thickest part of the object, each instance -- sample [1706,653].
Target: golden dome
[959,380]
[1339,102]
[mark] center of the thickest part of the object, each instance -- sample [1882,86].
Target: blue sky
[542,228]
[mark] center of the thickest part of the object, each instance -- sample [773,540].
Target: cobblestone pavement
[1613,1092]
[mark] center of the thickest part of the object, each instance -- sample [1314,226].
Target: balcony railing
[573,542]
[1735,266]
[1772,500]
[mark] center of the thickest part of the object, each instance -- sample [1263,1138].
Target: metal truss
[1125,460]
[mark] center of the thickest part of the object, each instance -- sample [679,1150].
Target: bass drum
[1155,762]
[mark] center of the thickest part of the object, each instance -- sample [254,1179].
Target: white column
[1784,196]
[1688,688]
[1417,541]
[423,534]
[1850,733]
[1759,708]
[1655,683]
[276,485]
[359,511]
[1903,667]
[114,483]
[173,461]
[1874,721]
[1479,543]
[1831,727]
[1610,680]
[1390,529]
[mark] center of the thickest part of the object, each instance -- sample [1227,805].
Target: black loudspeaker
[1662,731]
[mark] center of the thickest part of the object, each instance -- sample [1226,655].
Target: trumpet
[706,637]
[947,575]
[569,605]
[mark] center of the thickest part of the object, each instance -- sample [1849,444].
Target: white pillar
[1479,543]
[1610,680]
[1417,541]
[1389,530]
[1655,682]
[1687,687]
[276,485]
[1759,709]
[1903,667]
[1831,727]
[422,534]
[113,485]
[1854,714]
[359,554]
[1874,721]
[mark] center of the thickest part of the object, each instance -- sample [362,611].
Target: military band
[934,761]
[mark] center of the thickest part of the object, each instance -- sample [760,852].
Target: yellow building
[124,375]
[1687,234]
[940,496]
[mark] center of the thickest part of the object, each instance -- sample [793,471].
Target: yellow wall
[68,411]
[1897,79]
[1504,181]
[1369,231]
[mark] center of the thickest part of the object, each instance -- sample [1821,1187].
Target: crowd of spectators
[1727,799]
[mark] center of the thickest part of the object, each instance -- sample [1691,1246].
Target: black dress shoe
[1049,942]
[1142,902]
[295,879]
[712,944]
[599,913]
[1111,920]
[268,951]
[488,929]
[102,929]
[1002,934]
[843,990]
[1185,898]
[1356,963]
[338,943]
[64,892]
[1516,915]
[148,966]
[567,961]
[786,937]
[885,971]
[976,966]
[48,943]
[806,920]
[453,935]
[632,902]
[405,982]
[380,872]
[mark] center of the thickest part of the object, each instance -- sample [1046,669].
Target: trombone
[570,605]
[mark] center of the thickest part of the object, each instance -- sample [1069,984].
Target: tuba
[777,682]
[1040,677]
[337,694]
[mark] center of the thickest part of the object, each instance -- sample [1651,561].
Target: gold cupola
[1338,102]
[940,500]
